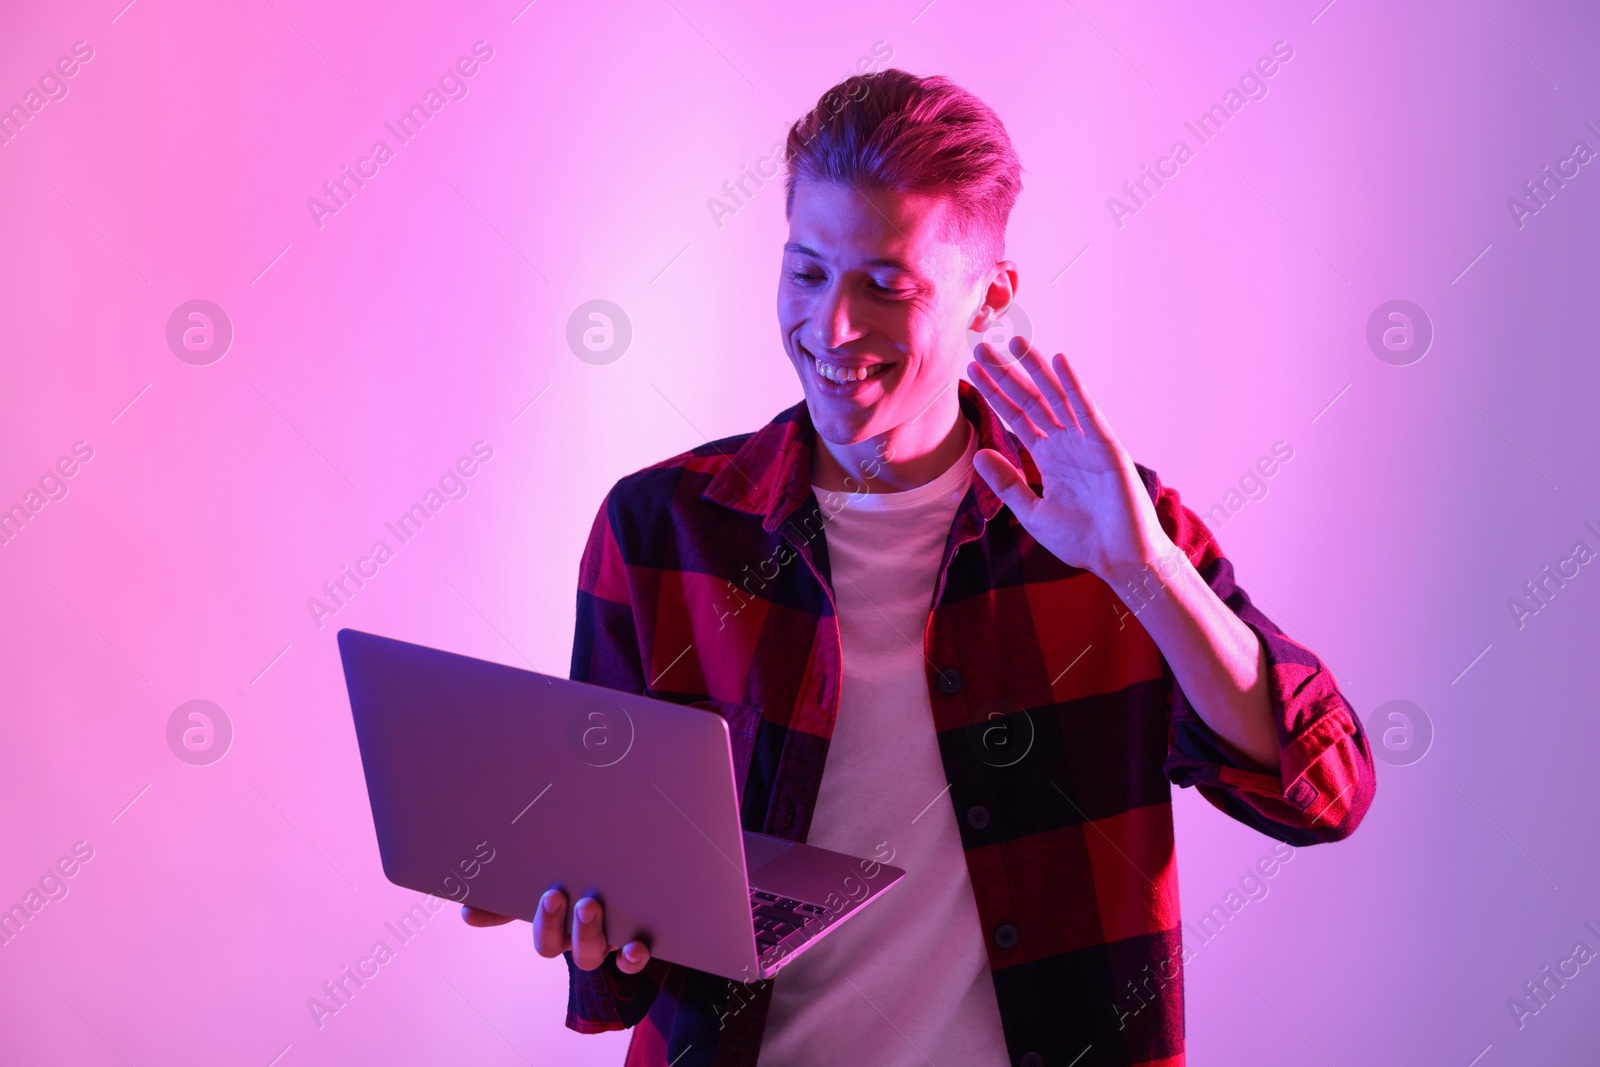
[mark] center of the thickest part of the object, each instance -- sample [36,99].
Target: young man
[989,681]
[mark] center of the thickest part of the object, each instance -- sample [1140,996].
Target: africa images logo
[452,85]
[52,87]
[199,732]
[1252,85]
[1399,332]
[199,332]
[599,332]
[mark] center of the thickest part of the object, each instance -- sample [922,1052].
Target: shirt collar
[770,474]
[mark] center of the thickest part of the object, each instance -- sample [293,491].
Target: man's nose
[836,322]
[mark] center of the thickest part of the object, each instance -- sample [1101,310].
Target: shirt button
[977,816]
[1031,1059]
[949,681]
[1006,936]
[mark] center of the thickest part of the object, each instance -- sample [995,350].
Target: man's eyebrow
[893,264]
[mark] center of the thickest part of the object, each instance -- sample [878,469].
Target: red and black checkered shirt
[1061,728]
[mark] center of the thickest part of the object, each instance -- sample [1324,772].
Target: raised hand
[1094,512]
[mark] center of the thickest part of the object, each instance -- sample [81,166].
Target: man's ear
[997,297]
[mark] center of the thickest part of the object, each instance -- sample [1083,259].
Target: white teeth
[845,375]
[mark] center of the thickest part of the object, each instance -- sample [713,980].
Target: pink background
[424,316]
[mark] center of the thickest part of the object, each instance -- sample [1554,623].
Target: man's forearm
[1217,659]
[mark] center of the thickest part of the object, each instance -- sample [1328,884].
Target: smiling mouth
[843,374]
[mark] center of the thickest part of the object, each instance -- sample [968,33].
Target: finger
[1007,482]
[1008,409]
[632,957]
[589,946]
[1089,415]
[550,925]
[478,917]
[1033,361]
[1019,385]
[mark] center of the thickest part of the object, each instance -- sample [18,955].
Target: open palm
[1094,512]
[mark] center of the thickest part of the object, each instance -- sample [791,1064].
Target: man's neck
[908,456]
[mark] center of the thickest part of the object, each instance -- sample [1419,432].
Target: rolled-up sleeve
[606,999]
[1326,781]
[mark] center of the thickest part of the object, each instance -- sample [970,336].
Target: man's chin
[843,423]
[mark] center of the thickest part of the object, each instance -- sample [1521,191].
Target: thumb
[478,917]
[1006,481]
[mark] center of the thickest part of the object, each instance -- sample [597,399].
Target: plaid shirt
[705,581]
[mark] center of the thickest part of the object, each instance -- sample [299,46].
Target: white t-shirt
[907,980]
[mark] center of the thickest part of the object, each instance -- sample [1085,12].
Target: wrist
[1140,578]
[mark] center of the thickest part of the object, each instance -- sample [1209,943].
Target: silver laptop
[490,785]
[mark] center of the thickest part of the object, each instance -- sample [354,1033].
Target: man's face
[874,301]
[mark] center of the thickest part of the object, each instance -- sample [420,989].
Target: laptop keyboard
[783,919]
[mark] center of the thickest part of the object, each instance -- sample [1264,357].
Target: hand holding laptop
[497,783]
[586,938]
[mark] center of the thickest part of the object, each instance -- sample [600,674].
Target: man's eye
[804,277]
